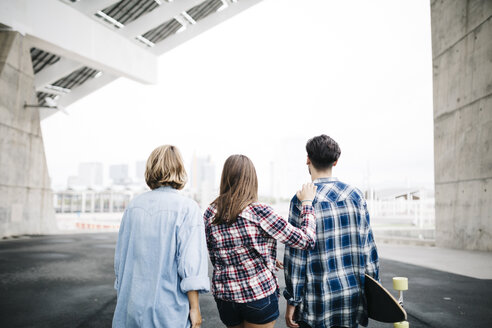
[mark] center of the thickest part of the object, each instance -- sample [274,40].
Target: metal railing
[419,213]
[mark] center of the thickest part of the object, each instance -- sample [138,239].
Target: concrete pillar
[26,200]
[462,72]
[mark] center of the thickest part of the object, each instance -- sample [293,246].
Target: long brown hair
[238,189]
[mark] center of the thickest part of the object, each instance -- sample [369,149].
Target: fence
[94,210]
[91,201]
[393,212]
[419,213]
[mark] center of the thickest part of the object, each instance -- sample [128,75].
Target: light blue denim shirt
[160,255]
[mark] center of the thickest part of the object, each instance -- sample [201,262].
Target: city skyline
[291,165]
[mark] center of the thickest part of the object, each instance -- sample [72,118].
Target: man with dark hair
[325,286]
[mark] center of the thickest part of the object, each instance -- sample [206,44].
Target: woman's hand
[195,318]
[307,193]
[195,315]
[278,265]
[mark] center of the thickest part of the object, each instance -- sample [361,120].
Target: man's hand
[279,265]
[195,318]
[289,316]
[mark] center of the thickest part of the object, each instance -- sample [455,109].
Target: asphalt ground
[67,281]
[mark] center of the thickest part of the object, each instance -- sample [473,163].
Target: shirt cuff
[307,209]
[290,299]
[201,284]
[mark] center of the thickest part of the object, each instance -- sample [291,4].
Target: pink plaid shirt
[243,254]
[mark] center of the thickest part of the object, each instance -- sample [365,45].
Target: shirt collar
[167,188]
[325,180]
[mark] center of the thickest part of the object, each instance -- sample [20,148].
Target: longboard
[381,305]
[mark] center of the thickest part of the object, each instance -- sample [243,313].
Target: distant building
[140,171]
[90,174]
[119,174]
[202,180]
[73,181]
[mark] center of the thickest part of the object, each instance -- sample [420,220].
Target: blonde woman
[242,239]
[161,258]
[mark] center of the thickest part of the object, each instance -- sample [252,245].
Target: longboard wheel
[403,324]
[400,283]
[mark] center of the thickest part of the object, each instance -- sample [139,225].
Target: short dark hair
[323,151]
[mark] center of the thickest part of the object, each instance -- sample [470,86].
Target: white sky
[276,74]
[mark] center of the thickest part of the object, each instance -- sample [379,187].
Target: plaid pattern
[327,282]
[243,254]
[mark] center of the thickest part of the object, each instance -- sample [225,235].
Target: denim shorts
[259,312]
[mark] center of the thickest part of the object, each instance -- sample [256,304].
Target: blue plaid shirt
[327,282]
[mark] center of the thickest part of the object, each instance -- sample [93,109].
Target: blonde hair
[165,168]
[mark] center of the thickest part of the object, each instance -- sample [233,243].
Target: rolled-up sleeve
[192,253]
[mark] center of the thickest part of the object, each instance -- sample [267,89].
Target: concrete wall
[26,205]
[462,71]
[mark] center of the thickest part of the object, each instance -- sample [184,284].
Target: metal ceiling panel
[204,9]
[162,31]
[40,59]
[127,11]
[43,95]
[76,78]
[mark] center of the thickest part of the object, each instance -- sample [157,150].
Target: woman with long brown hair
[242,239]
